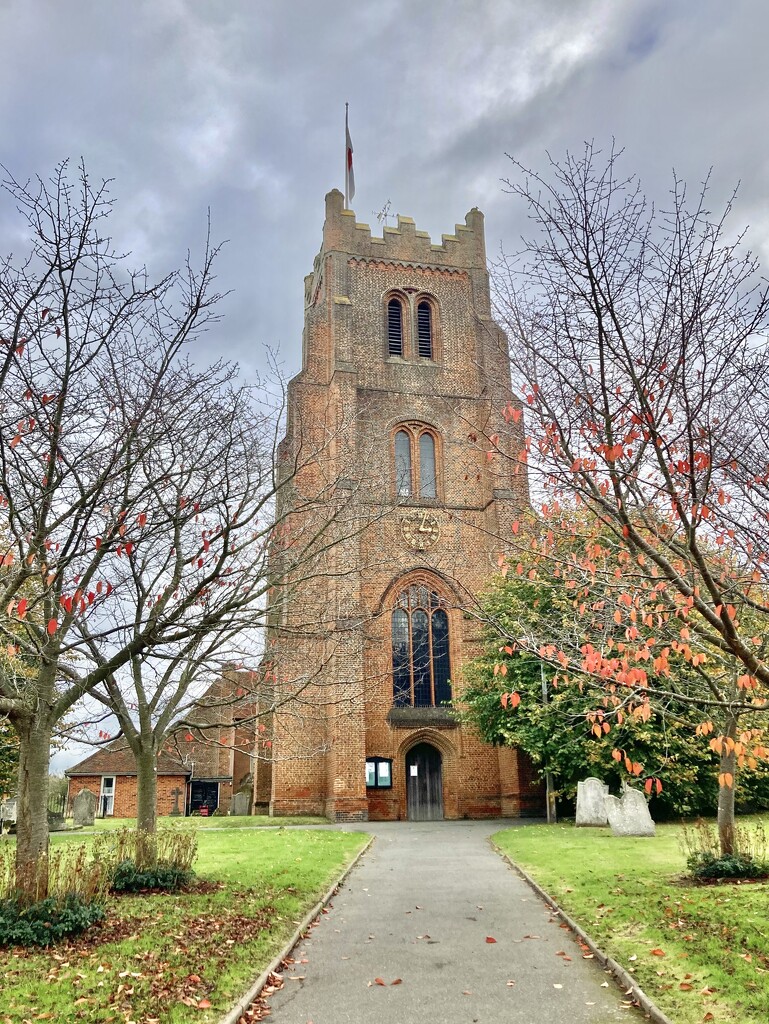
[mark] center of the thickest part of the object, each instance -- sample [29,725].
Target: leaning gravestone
[84,808]
[629,814]
[241,804]
[591,807]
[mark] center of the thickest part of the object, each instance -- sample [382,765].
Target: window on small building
[107,796]
[379,773]
[424,330]
[420,649]
[395,327]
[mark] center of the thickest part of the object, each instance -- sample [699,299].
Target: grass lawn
[700,952]
[252,821]
[157,958]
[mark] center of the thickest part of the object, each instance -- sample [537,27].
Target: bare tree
[136,489]
[638,339]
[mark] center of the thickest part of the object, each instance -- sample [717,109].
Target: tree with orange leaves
[638,340]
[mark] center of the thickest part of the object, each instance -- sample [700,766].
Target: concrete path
[419,907]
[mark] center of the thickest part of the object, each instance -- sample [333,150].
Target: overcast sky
[238,106]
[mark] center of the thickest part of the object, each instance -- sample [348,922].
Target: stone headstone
[629,814]
[241,804]
[84,808]
[8,809]
[176,794]
[591,803]
[56,822]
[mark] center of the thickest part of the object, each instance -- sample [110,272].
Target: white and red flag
[349,175]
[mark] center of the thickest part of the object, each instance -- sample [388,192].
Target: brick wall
[344,408]
[124,805]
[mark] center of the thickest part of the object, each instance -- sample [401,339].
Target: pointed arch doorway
[424,783]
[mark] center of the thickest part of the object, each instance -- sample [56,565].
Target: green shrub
[47,921]
[736,865]
[128,878]
[702,849]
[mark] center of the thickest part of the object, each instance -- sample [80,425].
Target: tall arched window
[402,464]
[424,330]
[416,462]
[395,327]
[420,649]
[427,488]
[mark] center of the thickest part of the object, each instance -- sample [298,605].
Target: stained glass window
[420,649]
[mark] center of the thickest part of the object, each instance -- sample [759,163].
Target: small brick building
[203,763]
[401,402]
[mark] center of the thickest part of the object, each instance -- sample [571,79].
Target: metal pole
[549,791]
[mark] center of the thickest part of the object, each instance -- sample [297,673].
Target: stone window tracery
[416,461]
[420,648]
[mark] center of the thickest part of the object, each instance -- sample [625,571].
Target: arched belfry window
[395,327]
[424,330]
[416,462]
[420,648]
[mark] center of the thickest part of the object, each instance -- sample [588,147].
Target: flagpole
[349,174]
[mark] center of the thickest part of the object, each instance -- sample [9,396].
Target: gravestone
[84,808]
[591,803]
[56,822]
[241,804]
[176,793]
[8,814]
[629,814]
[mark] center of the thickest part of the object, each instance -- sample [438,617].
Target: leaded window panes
[420,649]
[427,487]
[402,464]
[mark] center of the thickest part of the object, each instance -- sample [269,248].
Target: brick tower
[404,380]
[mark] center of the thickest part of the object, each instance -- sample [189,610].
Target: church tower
[401,398]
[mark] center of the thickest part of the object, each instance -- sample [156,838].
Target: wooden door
[424,783]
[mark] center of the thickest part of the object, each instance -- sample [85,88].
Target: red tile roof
[117,759]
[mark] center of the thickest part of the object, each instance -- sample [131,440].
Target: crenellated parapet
[465,248]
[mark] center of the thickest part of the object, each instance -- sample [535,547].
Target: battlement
[465,248]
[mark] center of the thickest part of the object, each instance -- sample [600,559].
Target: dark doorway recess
[424,783]
[204,795]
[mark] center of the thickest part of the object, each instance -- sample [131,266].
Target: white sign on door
[413,772]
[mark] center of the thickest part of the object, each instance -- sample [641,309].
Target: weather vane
[384,214]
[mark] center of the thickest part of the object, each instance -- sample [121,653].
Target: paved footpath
[419,907]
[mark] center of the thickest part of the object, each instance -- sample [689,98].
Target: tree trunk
[727,766]
[146,808]
[32,814]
